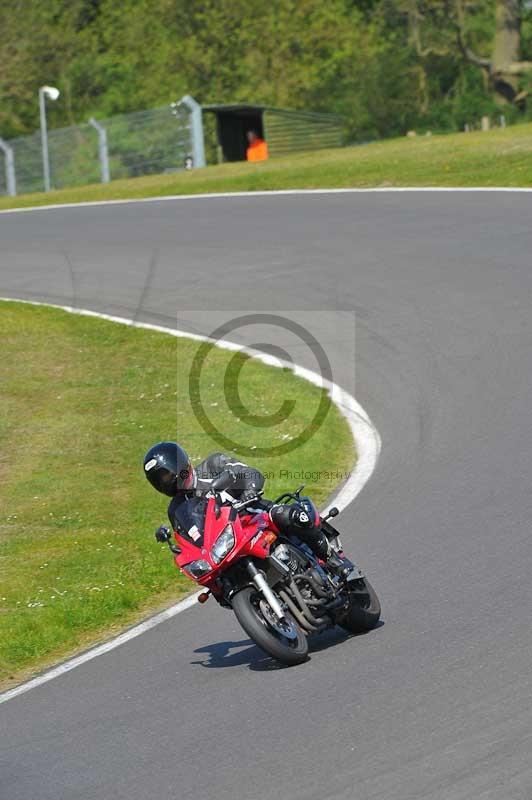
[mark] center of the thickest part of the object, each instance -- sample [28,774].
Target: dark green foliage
[384,65]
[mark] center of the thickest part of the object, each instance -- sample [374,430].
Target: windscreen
[190,519]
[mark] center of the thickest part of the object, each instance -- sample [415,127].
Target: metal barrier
[161,140]
[10,180]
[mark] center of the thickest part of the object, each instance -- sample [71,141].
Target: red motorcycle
[278,589]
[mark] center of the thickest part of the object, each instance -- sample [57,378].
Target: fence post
[103,152]
[10,168]
[196,126]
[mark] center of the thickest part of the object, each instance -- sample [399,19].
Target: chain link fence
[124,146]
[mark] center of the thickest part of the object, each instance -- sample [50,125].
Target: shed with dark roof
[284,130]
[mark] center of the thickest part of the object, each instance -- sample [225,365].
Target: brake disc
[286,628]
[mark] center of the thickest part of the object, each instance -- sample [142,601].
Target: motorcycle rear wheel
[364,607]
[289,648]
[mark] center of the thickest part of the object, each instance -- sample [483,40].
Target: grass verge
[82,400]
[501,157]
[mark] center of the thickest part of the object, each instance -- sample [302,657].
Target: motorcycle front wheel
[283,640]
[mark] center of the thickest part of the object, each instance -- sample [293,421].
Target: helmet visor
[166,482]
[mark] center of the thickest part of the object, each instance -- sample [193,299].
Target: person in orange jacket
[258,149]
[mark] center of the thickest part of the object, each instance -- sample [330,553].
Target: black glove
[248,494]
[224,480]
[162,534]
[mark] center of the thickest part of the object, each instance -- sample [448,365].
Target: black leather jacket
[246,479]
[249,479]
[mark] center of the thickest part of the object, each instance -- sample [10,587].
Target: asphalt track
[435,703]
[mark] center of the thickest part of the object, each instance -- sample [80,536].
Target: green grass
[82,399]
[500,157]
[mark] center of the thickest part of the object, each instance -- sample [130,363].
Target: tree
[384,65]
[439,27]
[506,66]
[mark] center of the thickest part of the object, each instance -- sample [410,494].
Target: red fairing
[253,535]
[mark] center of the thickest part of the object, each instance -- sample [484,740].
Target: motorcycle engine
[312,582]
[290,557]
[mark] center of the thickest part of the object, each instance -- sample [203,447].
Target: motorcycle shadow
[222,654]
[246,653]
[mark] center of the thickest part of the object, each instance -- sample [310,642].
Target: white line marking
[100,649]
[269,193]
[363,431]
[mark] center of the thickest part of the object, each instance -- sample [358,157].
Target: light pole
[53,94]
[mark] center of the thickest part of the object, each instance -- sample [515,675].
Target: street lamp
[53,94]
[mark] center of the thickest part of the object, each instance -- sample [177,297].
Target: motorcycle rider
[169,470]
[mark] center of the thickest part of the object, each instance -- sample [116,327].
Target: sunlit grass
[81,401]
[501,157]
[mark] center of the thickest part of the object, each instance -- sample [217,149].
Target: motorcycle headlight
[223,544]
[198,568]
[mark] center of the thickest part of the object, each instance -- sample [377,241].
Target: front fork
[262,585]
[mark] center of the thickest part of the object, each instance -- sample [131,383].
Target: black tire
[287,650]
[364,609]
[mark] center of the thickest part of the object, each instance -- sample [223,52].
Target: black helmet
[168,468]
